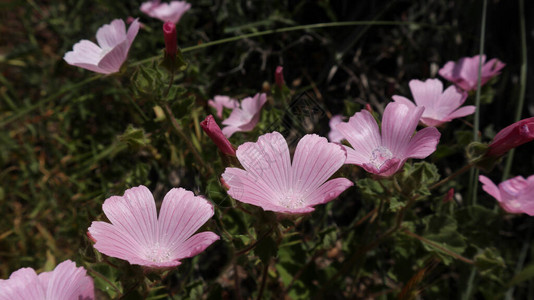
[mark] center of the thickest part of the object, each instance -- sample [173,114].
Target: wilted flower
[108,56]
[244,118]
[464,73]
[334,135]
[166,12]
[213,130]
[385,154]
[512,136]
[515,195]
[219,102]
[65,282]
[271,181]
[440,106]
[138,235]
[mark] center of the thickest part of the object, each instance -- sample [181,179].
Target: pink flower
[244,118]
[66,282]
[440,106]
[219,102]
[111,51]
[515,195]
[385,154]
[464,73]
[213,130]
[169,35]
[273,183]
[166,12]
[334,135]
[137,235]
[511,137]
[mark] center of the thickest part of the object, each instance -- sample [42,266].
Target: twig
[429,242]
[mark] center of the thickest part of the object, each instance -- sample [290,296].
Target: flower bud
[213,130]
[279,76]
[169,34]
[512,136]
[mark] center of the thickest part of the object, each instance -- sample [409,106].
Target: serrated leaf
[442,231]
[489,263]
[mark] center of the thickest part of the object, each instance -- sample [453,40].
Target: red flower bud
[449,196]
[512,136]
[169,34]
[279,76]
[213,130]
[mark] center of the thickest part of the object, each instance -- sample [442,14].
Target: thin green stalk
[476,126]
[470,285]
[286,29]
[522,83]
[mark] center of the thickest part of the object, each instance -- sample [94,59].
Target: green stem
[476,126]
[263,280]
[287,29]
[523,83]
[452,176]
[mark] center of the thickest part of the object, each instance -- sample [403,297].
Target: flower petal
[329,191]
[113,60]
[489,187]
[111,35]
[114,242]
[423,143]
[181,215]
[361,131]
[135,214]
[315,160]
[426,93]
[69,282]
[462,112]
[194,245]
[22,284]
[398,125]
[403,100]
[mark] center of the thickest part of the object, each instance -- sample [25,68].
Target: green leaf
[526,274]
[418,177]
[490,264]
[265,249]
[442,230]
[134,137]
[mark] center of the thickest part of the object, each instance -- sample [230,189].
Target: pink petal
[182,214]
[334,135]
[253,105]
[423,143]
[490,187]
[462,112]
[111,35]
[426,93]
[166,12]
[250,189]
[228,131]
[113,60]
[398,126]
[195,245]
[69,282]
[132,33]
[315,160]
[22,284]
[403,100]
[134,213]
[115,242]
[388,168]
[362,133]
[329,191]
[268,160]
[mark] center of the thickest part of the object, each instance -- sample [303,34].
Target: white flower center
[291,200]
[379,156]
[158,254]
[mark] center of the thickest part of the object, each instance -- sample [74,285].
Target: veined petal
[423,143]
[134,213]
[403,100]
[132,32]
[114,59]
[315,160]
[328,191]
[115,242]
[22,284]
[362,133]
[69,282]
[268,160]
[426,93]
[462,112]
[181,214]
[398,125]
[194,245]
[111,35]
